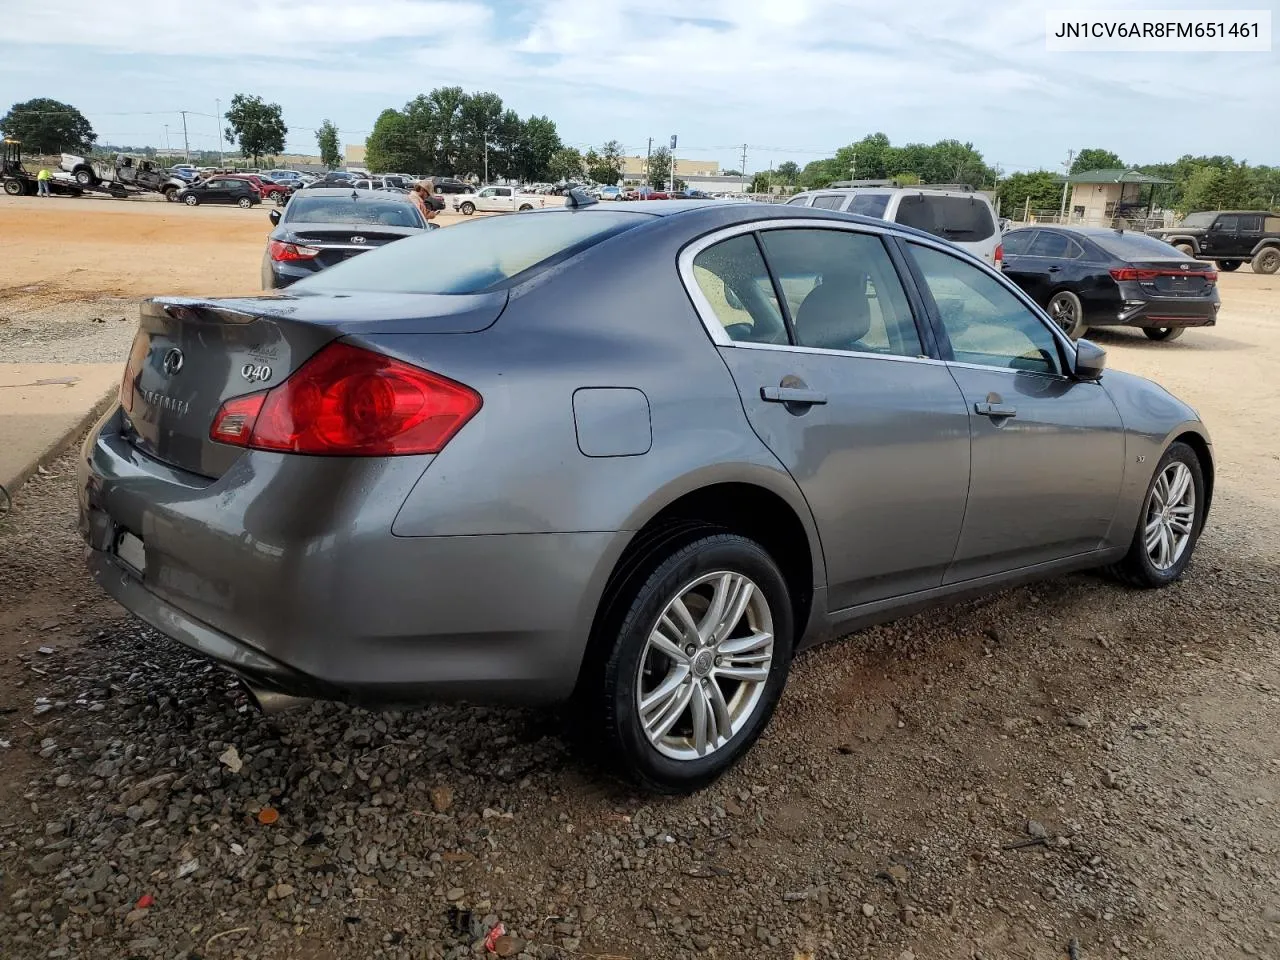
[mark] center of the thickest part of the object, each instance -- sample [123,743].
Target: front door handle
[792,395]
[1054,269]
[997,411]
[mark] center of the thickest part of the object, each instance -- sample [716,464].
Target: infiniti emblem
[172,361]
[358,240]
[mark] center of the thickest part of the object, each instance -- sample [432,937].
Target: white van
[964,217]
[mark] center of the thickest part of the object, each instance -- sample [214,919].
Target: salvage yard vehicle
[320,228]
[522,475]
[1095,277]
[221,189]
[121,175]
[497,200]
[18,181]
[1228,238]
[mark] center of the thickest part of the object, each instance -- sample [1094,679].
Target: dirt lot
[1067,769]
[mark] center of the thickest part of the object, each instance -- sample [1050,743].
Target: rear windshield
[472,257]
[960,219]
[1198,220]
[1136,246]
[364,210]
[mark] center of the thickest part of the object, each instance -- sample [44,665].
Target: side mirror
[1091,360]
[274,217]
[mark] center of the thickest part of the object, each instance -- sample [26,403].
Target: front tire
[701,648]
[191,200]
[1170,523]
[171,194]
[1164,333]
[1226,266]
[1068,313]
[468,208]
[85,178]
[13,188]
[1267,261]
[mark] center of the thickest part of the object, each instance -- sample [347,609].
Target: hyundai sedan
[482,463]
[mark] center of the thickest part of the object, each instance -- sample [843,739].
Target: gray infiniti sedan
[486,463]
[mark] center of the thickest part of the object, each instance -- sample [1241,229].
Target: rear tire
[524,207]
[468,208]
[85,178]
[171,194]
[1186,248]
[1068,313]
[1228,265]
[1139,568]
[626,675]
[1164,333]
[1267,261]
[244,203]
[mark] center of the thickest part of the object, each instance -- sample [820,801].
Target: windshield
[472,257]
[1198,220]
[389,213]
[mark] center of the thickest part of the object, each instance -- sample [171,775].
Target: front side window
[1227,224]
[489,192]
[842,291]
[732,276]
[986,323]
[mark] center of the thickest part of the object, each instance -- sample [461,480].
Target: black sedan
[1095,277]
[323,226]
[220,190]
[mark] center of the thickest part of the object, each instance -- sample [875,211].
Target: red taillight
[280,251]
[348,401]
[999,253]
[1209,277]
[1133,273]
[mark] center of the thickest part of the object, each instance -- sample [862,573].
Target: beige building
[353,155]
[634,168]
[1099,196]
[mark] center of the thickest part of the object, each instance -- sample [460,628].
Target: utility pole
[186,144]
[217,122]
[648,154]
[743,169]
[486,153]
[672,185]
[1062,213]
[167,149]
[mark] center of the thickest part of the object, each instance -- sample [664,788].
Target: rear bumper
[285,570]
[1168,312]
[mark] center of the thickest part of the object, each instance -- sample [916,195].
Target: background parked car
[610,193]
[1228,238]
[220,189]
[1093,276]
[267,188]
[450,185]
[321,227]
[497,200]
[964,217]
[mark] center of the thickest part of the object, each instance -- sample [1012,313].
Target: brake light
[999,257]
[348,401]
[1210,277]
[1133,273]
[282,252]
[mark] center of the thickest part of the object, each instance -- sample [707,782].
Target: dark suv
[1228,237]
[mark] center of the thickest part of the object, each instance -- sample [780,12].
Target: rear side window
[959,219]
[1134,246]
[1055,245]
[732,276]
[1018,242]
[798,201]
[830,201]
[869,204]
[471,257]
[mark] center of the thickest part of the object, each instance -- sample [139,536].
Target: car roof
[348,191]
[929,191]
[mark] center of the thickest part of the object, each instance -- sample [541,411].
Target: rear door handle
[995,410]
[1054,269]
[792,395]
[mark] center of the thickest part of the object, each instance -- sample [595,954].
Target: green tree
[659,169]
[507,139]
[566,164]
[48,126]
[605,166]
[787,172]
[905,179]
[1095,158]
[256,126]
[479,117]
[327,141]
[538,144]
[392,146]
[1037,190]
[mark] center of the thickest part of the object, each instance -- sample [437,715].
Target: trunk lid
[1175,277]
[338,242]
[190,356]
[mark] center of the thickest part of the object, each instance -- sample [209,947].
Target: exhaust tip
[272,702]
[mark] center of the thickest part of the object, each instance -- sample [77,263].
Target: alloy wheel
[1171,516]
[1062,309]
[705,665]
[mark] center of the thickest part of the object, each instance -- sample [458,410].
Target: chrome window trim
[1011,370]
[707,313]
[825,352]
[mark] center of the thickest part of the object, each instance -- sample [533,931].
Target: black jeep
[1229,237]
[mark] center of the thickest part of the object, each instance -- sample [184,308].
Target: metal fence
[1164,219]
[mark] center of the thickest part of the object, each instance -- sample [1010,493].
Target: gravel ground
[1068,762]
[33,330]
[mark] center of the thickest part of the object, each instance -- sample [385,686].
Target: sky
[792,79]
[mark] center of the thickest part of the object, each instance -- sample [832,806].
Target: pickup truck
[497,200]
[120,174]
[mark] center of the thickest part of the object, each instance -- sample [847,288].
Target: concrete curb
[59,444]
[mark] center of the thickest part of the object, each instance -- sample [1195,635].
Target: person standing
[42,183]
[424,198]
